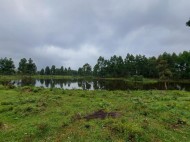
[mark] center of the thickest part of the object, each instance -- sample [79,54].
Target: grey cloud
[30,28]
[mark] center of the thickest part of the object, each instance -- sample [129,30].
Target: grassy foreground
[37,114]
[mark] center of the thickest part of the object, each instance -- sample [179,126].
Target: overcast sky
[74,32]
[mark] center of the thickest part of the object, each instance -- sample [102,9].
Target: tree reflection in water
[99,84]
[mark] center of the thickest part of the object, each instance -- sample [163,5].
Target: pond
[99,84]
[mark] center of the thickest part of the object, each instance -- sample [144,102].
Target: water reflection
[98,84]
[25,82]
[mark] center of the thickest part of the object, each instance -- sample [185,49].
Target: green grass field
[36,114]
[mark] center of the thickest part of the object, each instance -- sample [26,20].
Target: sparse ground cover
[38,114]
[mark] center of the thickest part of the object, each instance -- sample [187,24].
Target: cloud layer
[71,33]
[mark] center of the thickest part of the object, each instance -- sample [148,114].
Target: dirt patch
[101,114]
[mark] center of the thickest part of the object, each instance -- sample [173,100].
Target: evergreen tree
[31,67]
[7,66]
[53,70]
[86,69]
[47,71]
[100,68]
[164,71]
[22,66]
[80,72]
[27,67]
[188,23]
[42,72]
[62,70]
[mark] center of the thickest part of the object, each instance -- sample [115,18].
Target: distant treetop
[188,23]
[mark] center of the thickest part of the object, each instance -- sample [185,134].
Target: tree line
[164,66]
[25,67]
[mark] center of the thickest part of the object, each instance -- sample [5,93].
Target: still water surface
[99,84]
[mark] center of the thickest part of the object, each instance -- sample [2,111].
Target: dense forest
[165,66]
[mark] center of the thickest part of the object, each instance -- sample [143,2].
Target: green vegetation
[17,77]
[56,77]
[27,68]
[164,72]
[38,114]
[7,66]
[139,79]
[165,66]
